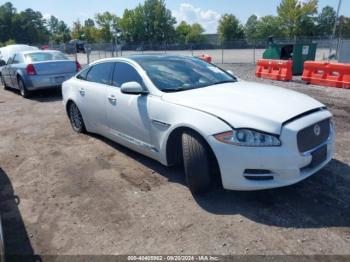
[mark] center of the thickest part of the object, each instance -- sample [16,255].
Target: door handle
[82,91]
[112,99]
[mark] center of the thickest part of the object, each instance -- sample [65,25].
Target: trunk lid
[55,67]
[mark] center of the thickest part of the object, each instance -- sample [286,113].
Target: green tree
[77,31]
[151,22]
[296,16]
[59,31]
[91,33]
[63,32]
[29,27]
[182,31]
[326,21]
[250,28]
[196,34]
[108,24]
[89,23]
[132,25]
[7,12]
[52,24]
[159,22]
[269,26]
[230,28]
[343,30]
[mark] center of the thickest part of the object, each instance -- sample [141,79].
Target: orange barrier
[206,58]
[274,69]
[327,74]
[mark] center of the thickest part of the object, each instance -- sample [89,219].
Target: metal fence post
[76,52]
[254,52]
[222,54]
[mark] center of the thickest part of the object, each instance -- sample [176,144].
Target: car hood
[246,104]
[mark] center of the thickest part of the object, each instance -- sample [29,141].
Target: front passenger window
[100,73]
[124,73]
[16,59]
[9,61]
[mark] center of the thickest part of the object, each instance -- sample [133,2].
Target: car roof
[10,50]
[18,48]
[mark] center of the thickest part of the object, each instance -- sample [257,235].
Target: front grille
[314,135]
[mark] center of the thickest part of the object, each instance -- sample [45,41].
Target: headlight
[248,137]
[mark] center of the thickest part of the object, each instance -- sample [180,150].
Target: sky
[205,12]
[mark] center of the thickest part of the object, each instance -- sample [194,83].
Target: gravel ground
[64,193]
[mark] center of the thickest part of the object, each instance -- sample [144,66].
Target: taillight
[78,66]
[31,70]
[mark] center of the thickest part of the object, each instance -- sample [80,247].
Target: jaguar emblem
[317,130]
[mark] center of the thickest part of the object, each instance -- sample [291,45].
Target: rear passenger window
[83,74]
[124,73]
[17,59]
[100,73]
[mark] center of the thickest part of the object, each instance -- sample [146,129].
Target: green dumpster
[298,52]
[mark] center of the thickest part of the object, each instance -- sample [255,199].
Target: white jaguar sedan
[178,109]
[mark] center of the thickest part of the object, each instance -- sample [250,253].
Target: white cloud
[207,18]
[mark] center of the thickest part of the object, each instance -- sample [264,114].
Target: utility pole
[335,31]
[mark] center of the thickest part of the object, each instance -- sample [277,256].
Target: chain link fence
[239,51]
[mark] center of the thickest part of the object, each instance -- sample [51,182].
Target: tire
[2,243]
[76,119]
[22,88]
[196,162]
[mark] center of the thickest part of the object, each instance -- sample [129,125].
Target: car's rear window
[44,56]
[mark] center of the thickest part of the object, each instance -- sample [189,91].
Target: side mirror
[133,88]
[2,62]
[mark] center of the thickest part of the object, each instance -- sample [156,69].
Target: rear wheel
[196,162]
[22,88]
[76,118]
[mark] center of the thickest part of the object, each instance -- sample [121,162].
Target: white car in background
[8,51]
[178,109]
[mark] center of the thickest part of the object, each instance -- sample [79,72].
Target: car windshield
[44,56]
[173,74]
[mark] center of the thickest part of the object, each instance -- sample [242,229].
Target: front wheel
[22,88]
[76,118]
[2,243]
[196,162]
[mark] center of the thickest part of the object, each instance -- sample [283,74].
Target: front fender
[167,117]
